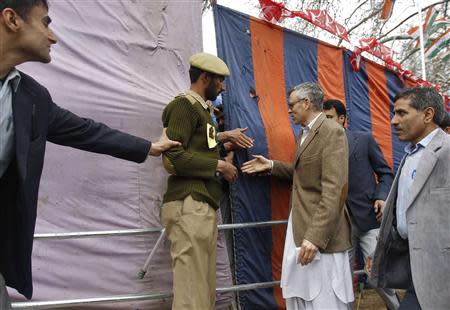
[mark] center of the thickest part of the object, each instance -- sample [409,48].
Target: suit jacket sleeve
[381,169]
[334,184]
[66,128]
[283,170]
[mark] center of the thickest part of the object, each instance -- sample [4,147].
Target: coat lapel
[425,167]
[297,146]
[310,137]
[22,111]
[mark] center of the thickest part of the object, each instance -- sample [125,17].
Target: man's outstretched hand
[256,165]
[237,137]
[162,145]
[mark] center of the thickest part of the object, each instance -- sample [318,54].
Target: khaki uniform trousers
[191,228]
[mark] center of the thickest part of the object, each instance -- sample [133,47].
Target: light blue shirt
[7,88]
[407,176]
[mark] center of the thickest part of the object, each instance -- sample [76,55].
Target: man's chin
[42,58]
[401,136]
[47,59]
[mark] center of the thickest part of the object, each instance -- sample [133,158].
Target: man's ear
[428,115]
[11,19]
[205,78]
[342,119]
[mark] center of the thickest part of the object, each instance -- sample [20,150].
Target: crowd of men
[342,187]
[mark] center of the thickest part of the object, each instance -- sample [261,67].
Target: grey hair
[312,91]
[422,98]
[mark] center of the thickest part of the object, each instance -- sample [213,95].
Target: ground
[369,300]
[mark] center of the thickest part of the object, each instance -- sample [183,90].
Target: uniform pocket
[194,207]
[171,213]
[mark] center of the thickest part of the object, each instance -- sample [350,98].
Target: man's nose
[52,37]
[394,120]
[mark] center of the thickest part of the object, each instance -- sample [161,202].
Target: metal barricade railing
[131,232]
[129,298]
[134,298]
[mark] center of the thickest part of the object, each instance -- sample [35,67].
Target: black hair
[422,98]
[337,105]
[22,7]
[445,122]
[194,74]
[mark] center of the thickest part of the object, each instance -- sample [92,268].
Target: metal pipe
[128,298]
[144,269]
[128,232]
[90,234]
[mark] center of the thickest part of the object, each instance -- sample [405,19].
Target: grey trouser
[5,303]
[367,240]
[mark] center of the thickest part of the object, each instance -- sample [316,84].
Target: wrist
[220,164]
[221,136]
[151,150]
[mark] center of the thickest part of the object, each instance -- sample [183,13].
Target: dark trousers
[8,195]
[410,302]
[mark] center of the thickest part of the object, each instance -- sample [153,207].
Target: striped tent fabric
[265,62]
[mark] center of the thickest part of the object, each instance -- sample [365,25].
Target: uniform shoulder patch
[191,99]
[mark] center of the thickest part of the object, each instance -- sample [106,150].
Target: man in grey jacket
[413,249]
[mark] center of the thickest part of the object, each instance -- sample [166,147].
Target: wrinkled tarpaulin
[268,60]
[119,62]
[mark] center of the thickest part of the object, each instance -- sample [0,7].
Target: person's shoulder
[180,99]
[30,83]
[332,126]
[180,105]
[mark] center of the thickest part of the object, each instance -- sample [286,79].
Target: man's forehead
[39,10]
[402,103]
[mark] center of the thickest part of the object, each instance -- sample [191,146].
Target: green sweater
[194,162]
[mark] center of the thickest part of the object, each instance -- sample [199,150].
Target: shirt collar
[411,149]
[13,78]
[198,98]
[311,124]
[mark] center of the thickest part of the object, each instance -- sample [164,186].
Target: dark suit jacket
[365,159]
[38,119]
[319,187]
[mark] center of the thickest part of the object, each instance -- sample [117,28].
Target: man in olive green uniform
[194,188]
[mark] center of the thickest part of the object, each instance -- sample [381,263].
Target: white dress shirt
[7,88]
[406,179]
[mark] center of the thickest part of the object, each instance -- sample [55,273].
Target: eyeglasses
[291,104]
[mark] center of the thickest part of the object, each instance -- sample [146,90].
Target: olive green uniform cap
[209,63]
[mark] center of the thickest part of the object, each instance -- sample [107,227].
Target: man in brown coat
[315,270]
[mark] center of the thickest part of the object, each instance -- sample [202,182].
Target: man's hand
[228,171]
[307,253]
[258,164]
[379,206]
[163,144]
[368,266]
[237,137]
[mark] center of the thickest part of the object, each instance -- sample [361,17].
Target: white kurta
[325,283]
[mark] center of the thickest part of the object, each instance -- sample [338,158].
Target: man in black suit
[369,181]
[29,118]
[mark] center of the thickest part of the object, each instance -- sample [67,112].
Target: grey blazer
[428,220]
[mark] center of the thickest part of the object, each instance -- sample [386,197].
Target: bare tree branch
[354,11]
[361,22]
[395,38]
[414,14]
[410,54]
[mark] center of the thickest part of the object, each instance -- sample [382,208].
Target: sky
[402,9]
